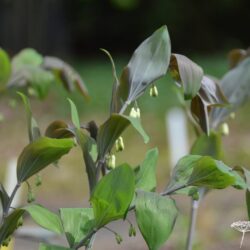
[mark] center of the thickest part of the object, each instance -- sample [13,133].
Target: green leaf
[136,123]
[39,154]
[77,223]
[149,62]
[187,73]
[145,174]
[155,216]
[208,146]
[26,57]
[236,87]
[74,114]
[10,224]
[202,171]
[33,129]
[113,195]
[88,147]
[248,202]
[45,218]
[43,246]
[4,198]
[58,129]
[211,174]
[5,68]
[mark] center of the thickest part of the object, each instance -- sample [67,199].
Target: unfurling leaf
[149,62]
[58,129]
[186,73]
[155,216]
[113,195]
[39,154]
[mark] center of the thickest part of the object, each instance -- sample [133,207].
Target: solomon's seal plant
[115,191]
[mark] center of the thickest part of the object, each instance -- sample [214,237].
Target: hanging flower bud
[38,180]
[119,144]
[118,238]
[153,92]
[138,111]
[224,129]
[31,196]
[132,231]
[133,113]
[111,162]
[20,222]
[6,242]
[232,115]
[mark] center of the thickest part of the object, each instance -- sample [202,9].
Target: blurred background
[74,31]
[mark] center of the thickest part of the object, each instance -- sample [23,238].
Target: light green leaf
[43,246]
[149,62]
[77,223]
[155,216]
[5,68]
[39,154]
[145,174]
[113,195]
[33,129]
[187,73]
[10,224]
[26,57]
[74,114]
[45,218]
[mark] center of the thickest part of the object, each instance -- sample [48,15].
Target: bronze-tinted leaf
[186,73]
[235,56]
[58,129]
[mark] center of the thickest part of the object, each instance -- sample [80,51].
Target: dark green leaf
[77,223]
[148,63]
[39,154]
[4,198]
[45,218]
[33,129]
[74,114]
[155,217]
[113,195]
[187,73]
[248,202]
[208,145]
[58,129]
[5,68]
[43,246]
[10,224]
[145,176]
[236,87]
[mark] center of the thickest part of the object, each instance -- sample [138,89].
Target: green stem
[84,240]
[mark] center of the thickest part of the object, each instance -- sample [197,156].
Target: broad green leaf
[109,132]
[149,62]
[136,123]
[39,154]
[45,218]
[70,79]
[74,114]
[113,195]
[203,171]
[112,129]
[33,129]
[155,216]
[145,174]
[211,174]
[236,87]
[26,57]
[77,223]
[5,68]
[208,146]
[10,224]
[248,202]
[88,147]
[44,246]
[58,129]
[186,73]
